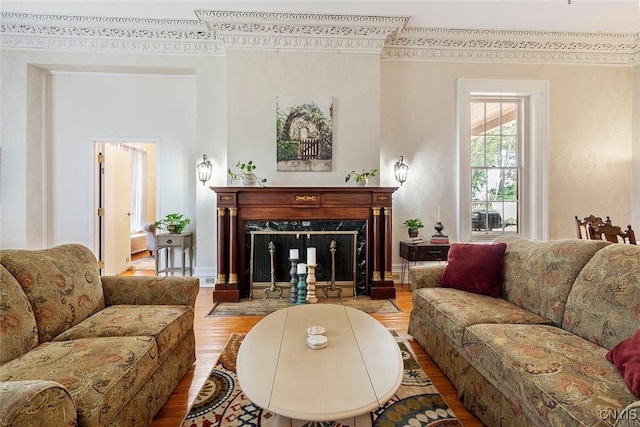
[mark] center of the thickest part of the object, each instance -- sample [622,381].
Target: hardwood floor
[212,334]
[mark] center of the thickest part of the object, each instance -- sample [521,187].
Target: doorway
[126,199]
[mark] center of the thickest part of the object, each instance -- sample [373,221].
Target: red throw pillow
[626,357]
[475,267]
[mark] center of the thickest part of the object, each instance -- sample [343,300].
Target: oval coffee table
[359,370]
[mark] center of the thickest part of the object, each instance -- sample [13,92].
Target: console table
[237,206]
[167,243]
[421,252]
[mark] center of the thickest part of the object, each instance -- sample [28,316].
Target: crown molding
[88,33]
[214,31]
[431,44]
[302,31]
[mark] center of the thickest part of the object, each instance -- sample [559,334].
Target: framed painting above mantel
[304,134]
[240,208]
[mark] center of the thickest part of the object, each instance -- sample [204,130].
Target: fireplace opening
[270,265]
[344,268]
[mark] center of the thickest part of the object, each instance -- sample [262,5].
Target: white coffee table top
[359,370]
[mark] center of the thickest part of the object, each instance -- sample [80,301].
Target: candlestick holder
[273,287]
[439,227]
[302,286]
[332,287]
[293,290]
[311,284]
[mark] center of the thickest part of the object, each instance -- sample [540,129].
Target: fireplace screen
[336,259]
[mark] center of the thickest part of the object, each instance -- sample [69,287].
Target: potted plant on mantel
[361,178]
[246,175]
[174,223]
[413,225]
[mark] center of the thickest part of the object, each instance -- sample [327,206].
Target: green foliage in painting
[287,150]
[305,118]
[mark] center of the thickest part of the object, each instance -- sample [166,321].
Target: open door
[114,207]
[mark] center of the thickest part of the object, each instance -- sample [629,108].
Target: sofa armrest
[151,290]
[425,276]
[36,403]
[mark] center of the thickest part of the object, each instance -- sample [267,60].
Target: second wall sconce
[400,169]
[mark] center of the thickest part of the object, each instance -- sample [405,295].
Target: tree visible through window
[494,147]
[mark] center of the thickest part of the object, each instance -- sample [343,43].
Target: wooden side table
[169,242]
[421,252]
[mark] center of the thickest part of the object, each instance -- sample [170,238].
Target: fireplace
[241,210]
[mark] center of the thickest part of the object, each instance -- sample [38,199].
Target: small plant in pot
[246,175]
[361,178]
[174,223]
[413,225]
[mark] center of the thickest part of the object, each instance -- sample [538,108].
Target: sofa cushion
[626,358]
[474,267]
[101,374]
[452,310]
[168,324]
[538,275]
[559,378]
[18,329]
[62,284]
[604,303]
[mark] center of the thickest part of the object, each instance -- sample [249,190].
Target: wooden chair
[584,227]
[614,233]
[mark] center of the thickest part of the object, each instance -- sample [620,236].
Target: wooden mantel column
[221,279]
[250,204]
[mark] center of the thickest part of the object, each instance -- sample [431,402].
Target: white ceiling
[545,15]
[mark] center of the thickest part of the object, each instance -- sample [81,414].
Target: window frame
[534,223]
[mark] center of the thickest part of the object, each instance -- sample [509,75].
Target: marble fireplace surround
[243,209]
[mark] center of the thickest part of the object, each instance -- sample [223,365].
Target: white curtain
[138,189]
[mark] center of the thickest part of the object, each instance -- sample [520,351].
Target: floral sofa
[536,355]
[80,349]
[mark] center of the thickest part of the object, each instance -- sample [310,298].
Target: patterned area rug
[262,307]
[221,403]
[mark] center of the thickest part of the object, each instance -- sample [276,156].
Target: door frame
[99,237]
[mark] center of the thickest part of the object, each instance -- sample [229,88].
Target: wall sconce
[204,169]
[400,169]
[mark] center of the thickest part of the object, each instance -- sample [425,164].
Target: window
[502,151]
[494,146]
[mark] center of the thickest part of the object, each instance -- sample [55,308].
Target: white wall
[255,79]
[86,106]
[589,139]
[180,100]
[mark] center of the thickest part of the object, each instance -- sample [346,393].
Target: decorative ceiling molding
[431,44]
[215,31]
[302,31]
[186,37]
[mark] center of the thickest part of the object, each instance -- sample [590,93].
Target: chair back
[584,227]
[614,234]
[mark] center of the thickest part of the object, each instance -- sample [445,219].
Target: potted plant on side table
[174,223]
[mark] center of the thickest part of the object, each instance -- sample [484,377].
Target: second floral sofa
[536,355]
